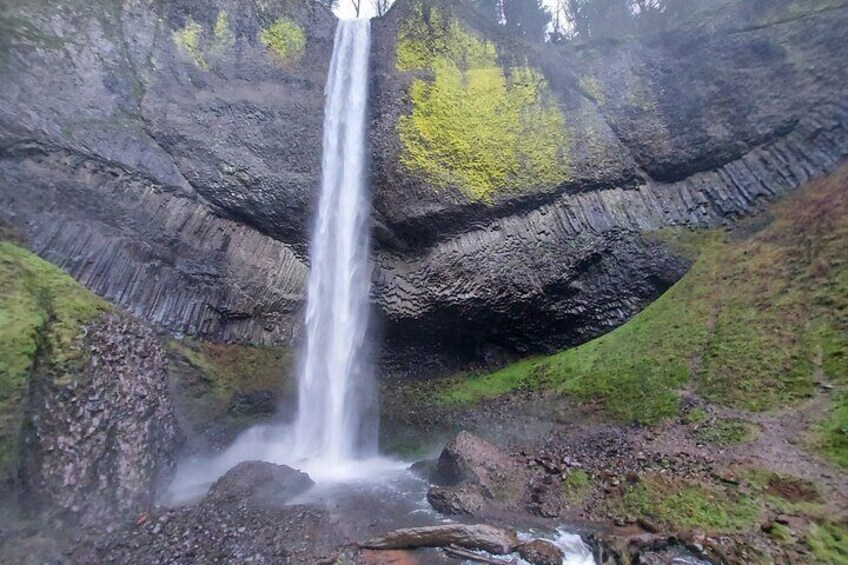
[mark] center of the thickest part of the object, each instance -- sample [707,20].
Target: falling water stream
[335,422]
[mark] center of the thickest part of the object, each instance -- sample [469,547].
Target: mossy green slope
[753,325]
[231,367]
[42,310]
[475,126]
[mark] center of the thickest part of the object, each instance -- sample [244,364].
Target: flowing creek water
[334,435]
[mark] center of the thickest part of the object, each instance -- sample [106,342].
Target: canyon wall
[515,185]
[167,154]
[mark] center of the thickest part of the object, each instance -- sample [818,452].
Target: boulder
[258,481]
[541,552]
[426,469]
[470,460]
[499,541]
[463,500]
[473,475]
[101,433]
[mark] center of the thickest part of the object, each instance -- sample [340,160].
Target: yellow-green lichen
[188,37]
[285,39]
[474,125]
[224,37]
[203,47]
[428,37]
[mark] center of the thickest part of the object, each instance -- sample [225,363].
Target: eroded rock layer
[167,155]
[695,127]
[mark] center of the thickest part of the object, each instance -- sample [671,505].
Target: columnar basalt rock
[168,155]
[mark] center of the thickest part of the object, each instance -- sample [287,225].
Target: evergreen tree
[490,9]
[527,18]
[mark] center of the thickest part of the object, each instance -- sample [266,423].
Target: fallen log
[499,541]
[469,555]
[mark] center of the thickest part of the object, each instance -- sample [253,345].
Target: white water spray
[335,421]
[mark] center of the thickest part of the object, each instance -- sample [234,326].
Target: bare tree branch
[382,6]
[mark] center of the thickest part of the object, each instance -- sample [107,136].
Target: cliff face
[167,154]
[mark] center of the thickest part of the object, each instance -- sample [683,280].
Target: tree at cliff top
[587,19]
[525,18]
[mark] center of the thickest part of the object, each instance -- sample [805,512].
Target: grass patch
[695,416]
[42,310]
[724,432]
[780,533]
[829,542]
[751,325]
[681,506]
[575,486]
[786,493]
[832,434]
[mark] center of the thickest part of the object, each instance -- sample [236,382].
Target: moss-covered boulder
[88,428]
[42,314]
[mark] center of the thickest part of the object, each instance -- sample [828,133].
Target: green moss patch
[42,310]
[682,506]
[285,39]
[829,542]
[831,435]
[753,325]
[188,37]
[230,368]
[724,432]
[205,46]
[575,486]
[475,126]
[224,36]
[205,376]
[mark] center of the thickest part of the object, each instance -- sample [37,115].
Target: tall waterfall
[335,419]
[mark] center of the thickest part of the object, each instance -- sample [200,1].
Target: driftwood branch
[499,541]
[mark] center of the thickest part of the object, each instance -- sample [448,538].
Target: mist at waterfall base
[334,435]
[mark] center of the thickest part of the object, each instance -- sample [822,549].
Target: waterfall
[335,420]
[334,436]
